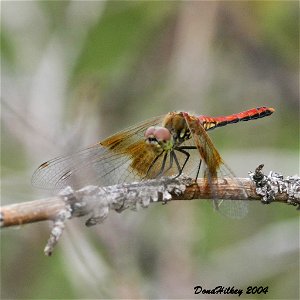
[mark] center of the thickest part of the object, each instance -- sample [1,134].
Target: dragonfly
[170,145]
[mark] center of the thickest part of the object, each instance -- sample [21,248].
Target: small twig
[98,201]
[56,232]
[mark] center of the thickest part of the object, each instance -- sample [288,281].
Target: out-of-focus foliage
[74,72]
[277,23]
[111,48]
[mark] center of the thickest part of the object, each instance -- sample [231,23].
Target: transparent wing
[235,209]
[215,168]
[123,157]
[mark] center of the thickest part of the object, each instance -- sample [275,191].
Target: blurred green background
[74,72]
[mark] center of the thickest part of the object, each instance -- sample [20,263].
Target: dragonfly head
[159,136]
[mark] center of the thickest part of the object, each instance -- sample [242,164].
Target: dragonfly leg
[153,162]
[178,165]
[199,166]
[180,149]
[171,163]
[162,169]
[162,166]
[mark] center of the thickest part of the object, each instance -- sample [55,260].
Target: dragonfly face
[159,137]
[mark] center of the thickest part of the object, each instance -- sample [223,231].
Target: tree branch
[98,201]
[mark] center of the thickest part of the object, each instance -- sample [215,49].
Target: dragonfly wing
[123,157]
[235,209]
[215,168]
[66,170]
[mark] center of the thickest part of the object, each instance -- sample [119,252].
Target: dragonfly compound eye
[162,134]
[157,133]
[149,132]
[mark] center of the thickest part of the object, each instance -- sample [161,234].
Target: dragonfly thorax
[177,126]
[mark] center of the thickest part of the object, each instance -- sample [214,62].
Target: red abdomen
[212,122]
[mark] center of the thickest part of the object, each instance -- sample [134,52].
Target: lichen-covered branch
[274,187]
[96,202]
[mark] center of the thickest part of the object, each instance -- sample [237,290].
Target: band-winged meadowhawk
[169,145]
